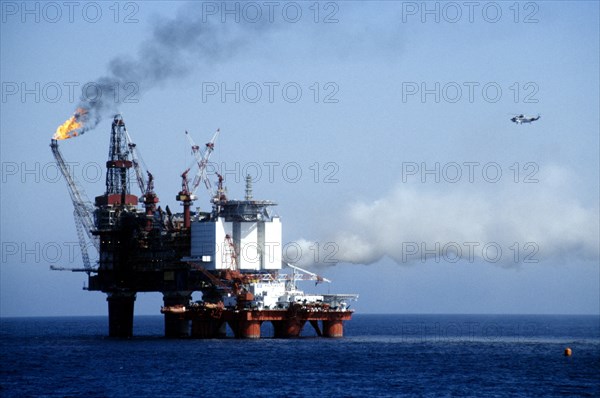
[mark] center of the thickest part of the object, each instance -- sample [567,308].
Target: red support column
[333,328]
[288,328]
[249,329]
[186,214]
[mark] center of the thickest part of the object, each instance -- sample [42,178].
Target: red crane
[187,195]
[149,197]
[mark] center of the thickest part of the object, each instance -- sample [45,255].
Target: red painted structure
[210,320]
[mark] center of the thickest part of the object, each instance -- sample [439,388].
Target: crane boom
[202,161]
[306,275]
[85,257]
[138,165]
[82,207]
[187,195]
[148,197]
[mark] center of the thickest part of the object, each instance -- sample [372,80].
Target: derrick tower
[113,230]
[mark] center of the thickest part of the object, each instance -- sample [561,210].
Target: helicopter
[520,119]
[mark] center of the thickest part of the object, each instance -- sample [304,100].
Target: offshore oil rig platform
[232,254]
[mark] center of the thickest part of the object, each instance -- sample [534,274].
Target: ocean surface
[380,356]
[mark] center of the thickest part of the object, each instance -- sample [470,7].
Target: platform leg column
[278,329]
[293,328]
[333,328]
[249,329]
[222,331]
[120,314]
[207,328]
[175,324]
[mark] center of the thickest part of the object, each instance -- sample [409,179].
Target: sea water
[380,356]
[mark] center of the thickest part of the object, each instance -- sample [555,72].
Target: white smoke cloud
[535,224]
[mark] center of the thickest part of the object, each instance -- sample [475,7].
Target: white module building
[238,235]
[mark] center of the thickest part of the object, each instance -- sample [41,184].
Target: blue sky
[370,139]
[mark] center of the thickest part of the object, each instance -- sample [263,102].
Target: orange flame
[71,127]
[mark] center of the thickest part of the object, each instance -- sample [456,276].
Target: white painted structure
[267,293]
[217,244]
